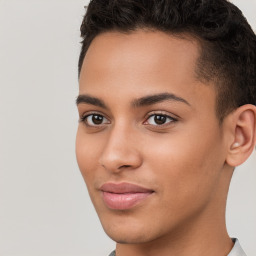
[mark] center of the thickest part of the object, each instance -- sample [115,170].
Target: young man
[167,111]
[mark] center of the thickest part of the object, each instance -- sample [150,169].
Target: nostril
[117,159]
[124,166]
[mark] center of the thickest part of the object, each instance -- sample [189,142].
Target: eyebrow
[84,98]
[157,98]
[144,101]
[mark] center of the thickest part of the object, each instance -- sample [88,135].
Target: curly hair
[228,43]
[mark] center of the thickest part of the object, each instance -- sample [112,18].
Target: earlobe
[243,135]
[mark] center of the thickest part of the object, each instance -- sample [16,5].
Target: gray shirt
[236,251]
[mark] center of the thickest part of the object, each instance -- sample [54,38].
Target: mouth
[123,196]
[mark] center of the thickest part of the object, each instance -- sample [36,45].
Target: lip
[123,196]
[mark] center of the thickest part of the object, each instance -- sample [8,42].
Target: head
[166,104]
[227,42]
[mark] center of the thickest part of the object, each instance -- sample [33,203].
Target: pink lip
[123,196]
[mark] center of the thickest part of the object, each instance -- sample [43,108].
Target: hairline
[207,78]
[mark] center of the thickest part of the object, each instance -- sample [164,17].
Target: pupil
[160,119]
[97,119]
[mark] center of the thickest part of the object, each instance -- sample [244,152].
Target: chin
[128,231]
[129,237]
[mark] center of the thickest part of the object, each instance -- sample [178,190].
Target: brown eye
[158,120]
[95,120]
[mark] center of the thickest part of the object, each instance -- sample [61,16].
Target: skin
[188,161]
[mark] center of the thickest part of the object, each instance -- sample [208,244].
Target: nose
[121,151]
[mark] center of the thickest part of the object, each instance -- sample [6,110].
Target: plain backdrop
[44,206]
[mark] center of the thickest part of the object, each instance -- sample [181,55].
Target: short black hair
[228,43]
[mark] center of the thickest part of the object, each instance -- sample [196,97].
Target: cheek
[87,153]
[187,166]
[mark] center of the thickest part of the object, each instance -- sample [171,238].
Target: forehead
[143,61]
[143,48]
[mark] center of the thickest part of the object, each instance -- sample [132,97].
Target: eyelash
[84,119]
[162,115]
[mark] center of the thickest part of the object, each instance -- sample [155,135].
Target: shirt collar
[237,249]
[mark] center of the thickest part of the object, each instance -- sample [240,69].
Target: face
[149,144]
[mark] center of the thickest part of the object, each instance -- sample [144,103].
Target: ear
[243,139]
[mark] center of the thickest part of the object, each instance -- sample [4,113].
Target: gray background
[44,206]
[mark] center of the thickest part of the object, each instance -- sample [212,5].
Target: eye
[159,119]
[94,120]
